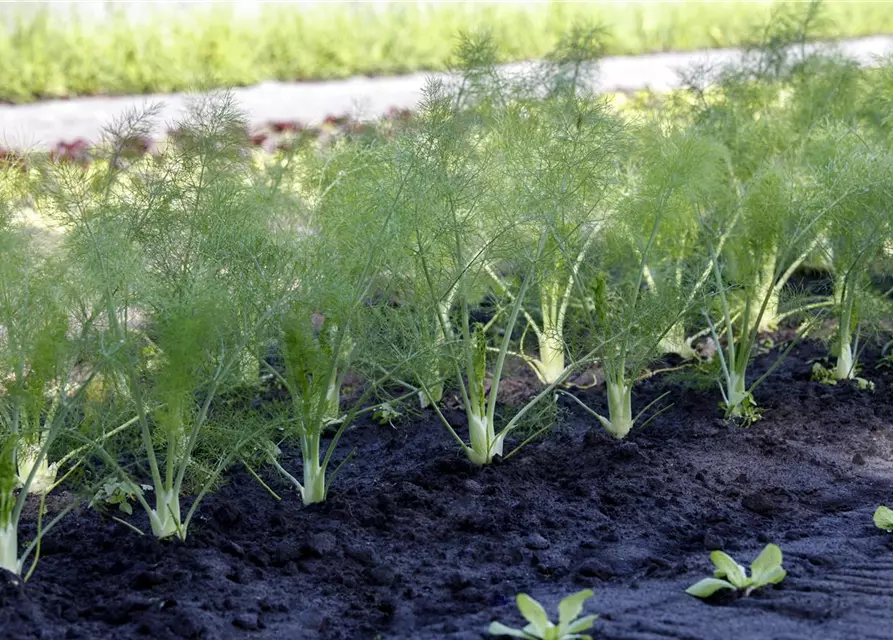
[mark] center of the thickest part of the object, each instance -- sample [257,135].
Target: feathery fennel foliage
[178,253]
[678,174]
[500,190]
[859,179]
[331,323]
[41,383]
[557,149]
[765,109]
[639,282]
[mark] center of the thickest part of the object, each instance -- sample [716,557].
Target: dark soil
[415,543]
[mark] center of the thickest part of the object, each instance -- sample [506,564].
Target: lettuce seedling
[729,575]
[883,518]
[570,626]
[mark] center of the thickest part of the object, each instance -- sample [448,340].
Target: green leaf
[534,613]
[883,518]
[8,463]
[582,624]
[479,342]
[773,576]
[600,298]
[499,629]
[707,587]
[7,478]
[766,567]
[571,606]
[726,567]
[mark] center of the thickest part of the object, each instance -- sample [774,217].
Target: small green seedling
[822,374]
[386,413]
[883,518]
[765,570]
[826,376]
[541,628]
[119,492]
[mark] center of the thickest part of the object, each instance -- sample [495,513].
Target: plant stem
[620,413]
[766,286]
[846,366]
[333,397]
[31,464]
[736,392]
[484,442]
[9,548]
[550,339]
[551,365]
[165,518]
[314,480]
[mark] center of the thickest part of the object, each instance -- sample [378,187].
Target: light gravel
[42,125]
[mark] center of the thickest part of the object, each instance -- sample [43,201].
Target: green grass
[47,56]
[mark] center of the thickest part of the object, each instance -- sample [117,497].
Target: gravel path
[40,126]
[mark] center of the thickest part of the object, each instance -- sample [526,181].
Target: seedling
[386,413]
[539,627]
[120,493]
[730,575]
[827,376]
[883,518]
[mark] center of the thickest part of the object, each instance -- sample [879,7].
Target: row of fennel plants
[162,294]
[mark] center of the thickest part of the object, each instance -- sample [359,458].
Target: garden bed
[415,542]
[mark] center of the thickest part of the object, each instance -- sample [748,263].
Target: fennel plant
[337,318]
[558,146]
[41,384]
[768,106]
[183,271]
[858,178]
[642,278]
[487,197]
[773,217]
